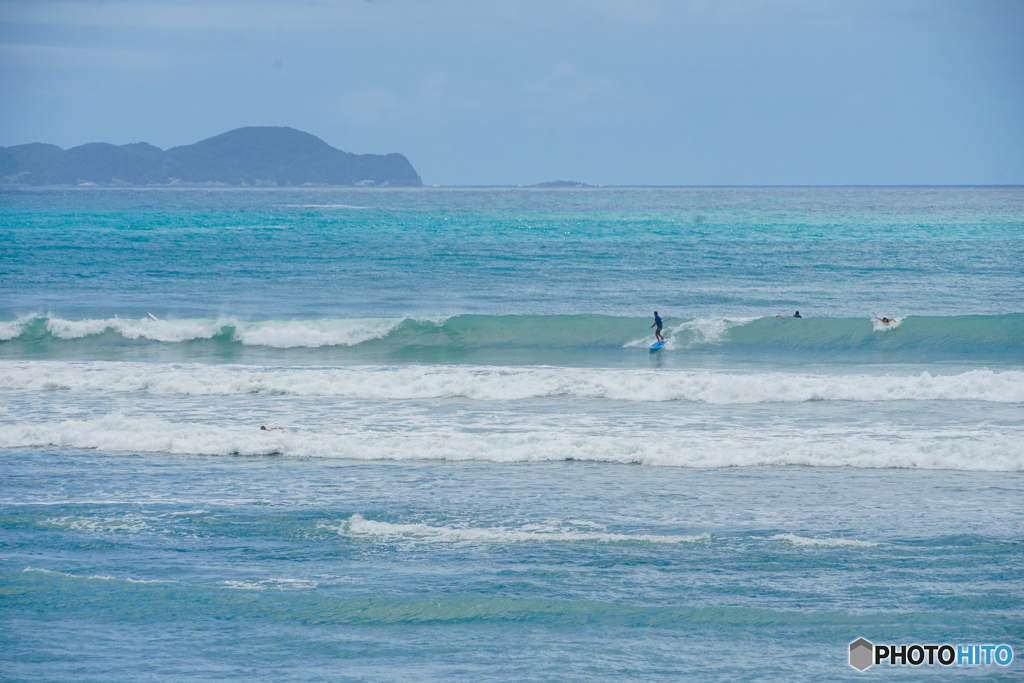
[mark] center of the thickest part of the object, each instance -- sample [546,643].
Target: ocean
[474,468]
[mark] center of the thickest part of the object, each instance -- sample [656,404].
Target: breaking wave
[508,383]
[118,433]
[910,337]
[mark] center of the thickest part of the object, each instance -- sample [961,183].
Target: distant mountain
[561,183]
[260,156]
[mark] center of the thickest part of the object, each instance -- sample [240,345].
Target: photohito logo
[863,653]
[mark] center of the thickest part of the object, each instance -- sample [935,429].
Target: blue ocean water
[481,472]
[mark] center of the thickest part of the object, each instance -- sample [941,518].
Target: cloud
[630,11]
[45,56]
[157,15]
[320,15]
[564,87]
[369,106]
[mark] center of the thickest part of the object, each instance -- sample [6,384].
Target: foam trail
[129,523]
[504,384]
[690,333]
[356,525]
[116,432]
[102,577]
[803,541]
[327,206]
[270,584]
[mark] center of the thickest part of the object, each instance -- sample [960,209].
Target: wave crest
[504,383]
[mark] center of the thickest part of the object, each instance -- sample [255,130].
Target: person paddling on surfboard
[657,322]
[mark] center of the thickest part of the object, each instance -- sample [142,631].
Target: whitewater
[471,466]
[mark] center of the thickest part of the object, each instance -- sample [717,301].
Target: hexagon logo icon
[862,654]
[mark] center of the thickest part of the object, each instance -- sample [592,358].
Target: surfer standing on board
[657,332]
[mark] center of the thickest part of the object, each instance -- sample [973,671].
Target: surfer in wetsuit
[797,315]
[657,322]
[886,320]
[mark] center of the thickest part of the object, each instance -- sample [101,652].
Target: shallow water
[316,569]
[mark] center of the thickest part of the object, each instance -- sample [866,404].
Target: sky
[516,92]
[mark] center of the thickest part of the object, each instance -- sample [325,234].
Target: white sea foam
[270,584]
[282,334]
[146,328]
[287,334]
[128,523]
[803,541]
[710,330]
[504,384]
[327,206]
[12,329]
[357,525]
[118,433]
[95,577]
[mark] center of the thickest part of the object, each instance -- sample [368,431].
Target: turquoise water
[483,473]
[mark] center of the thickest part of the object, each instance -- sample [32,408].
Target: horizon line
[536,186]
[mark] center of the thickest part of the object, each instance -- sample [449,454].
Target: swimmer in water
[266,428]
[886,320]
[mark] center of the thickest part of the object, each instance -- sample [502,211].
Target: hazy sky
[482,92]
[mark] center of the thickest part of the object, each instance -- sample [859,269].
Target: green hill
[261,156]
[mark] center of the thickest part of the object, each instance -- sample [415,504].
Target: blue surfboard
[657,345]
